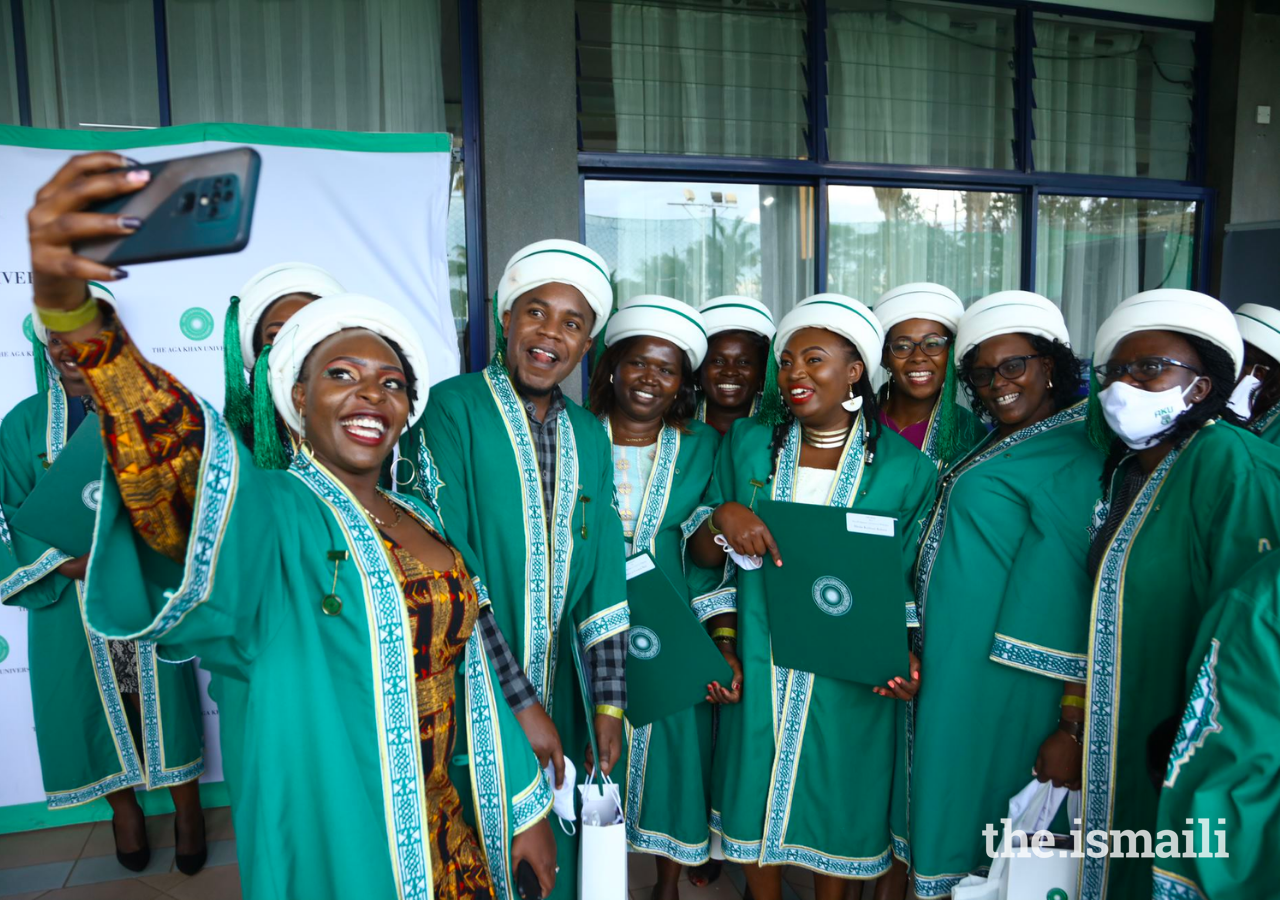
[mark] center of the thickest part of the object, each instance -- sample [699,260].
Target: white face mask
[1137,416]
[1241,402]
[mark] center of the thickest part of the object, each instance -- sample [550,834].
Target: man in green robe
[522,478]
[87,748]
[1191,504]
[1224,769]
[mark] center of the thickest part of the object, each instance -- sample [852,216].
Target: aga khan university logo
[196,323]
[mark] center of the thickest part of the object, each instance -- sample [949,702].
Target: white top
[813,485]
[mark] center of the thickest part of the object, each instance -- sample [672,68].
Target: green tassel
[947,422]
[499,339]
[41,360]
[1100,433]
[771,411]
[237,403]
[268,451]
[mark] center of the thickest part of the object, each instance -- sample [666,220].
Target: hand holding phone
[527,882]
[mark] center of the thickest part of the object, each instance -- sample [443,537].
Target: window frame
[469,60]
[820,171]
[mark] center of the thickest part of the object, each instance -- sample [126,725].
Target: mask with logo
[1137,416]
[1241,402]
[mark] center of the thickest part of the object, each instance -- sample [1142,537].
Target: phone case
[193,206]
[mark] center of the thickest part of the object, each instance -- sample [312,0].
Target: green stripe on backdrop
[74,139]
[31,816]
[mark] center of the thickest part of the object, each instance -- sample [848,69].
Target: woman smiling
[919,399]
[825,802]
[738,333]
[642,389]
[1001,579]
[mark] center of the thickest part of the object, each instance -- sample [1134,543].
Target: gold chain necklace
[395,506]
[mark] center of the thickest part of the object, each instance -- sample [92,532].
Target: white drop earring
[853,404]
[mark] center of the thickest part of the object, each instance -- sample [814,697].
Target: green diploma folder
[671,658]
[837,604]
[62,507]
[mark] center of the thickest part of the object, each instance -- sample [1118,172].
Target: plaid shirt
[606,661]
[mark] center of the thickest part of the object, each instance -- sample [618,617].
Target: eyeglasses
[1009,369]
[931,344]
[1148,368]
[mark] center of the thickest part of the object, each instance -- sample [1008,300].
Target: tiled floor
[78,863]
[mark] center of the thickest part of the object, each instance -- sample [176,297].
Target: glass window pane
[881,237]
[8,70]
[349,66]
[920,84]
[456,251]
[1112,99]
[711,77]
[1094,252]
[697,240]
[92,63]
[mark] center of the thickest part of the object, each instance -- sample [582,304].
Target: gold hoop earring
[413,472]
[304,445]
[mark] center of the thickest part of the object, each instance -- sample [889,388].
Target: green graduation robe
[1203,518]
[669,761]
[966,422]
[804,764]
[1267,426]
[1225,763]
[480,470]
[86,747]
[319,706]
[1001,588]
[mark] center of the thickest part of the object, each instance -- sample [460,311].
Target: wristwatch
[1075,729]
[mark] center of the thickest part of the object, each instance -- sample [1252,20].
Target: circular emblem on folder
[643,643]
[832,596]
[196,323]
[92,494]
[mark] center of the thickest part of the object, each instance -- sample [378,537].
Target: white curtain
[91,62]
[967,240]
[708,81]
[1094,252]
[349,65]
[927,87]
[8,75]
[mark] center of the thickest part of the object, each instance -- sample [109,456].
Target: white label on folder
[864,524]
[641,564]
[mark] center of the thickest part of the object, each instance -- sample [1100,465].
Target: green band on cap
[585,259]
[843,306]
[1259,321]
[720,306]
[675,312]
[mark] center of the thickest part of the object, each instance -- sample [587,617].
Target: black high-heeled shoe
[135,860]
[190,863]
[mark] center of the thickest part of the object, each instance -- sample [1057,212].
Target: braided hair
[1218,366]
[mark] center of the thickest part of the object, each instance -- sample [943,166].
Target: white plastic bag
[602,858]
[1030,810]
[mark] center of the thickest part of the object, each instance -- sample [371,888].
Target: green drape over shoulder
[804,765]
[668,763]
[1225,764]
[550,579]
[319,704]
[1002,594]
[82,732]
[1205,516]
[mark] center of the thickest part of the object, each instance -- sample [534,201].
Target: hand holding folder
[837,607]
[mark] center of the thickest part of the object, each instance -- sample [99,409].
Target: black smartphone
[192,206]
[527,882]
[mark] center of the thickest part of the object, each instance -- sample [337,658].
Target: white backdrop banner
[370,208]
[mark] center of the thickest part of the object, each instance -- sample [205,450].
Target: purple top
[914,433]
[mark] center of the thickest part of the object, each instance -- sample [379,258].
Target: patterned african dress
[1001,591]
[804,766]
[442,615]
[86,746]
[1198,523]
[281,585]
